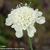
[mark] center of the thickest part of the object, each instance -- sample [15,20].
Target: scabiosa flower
[24,18]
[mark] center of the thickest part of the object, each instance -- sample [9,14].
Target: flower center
[26,18]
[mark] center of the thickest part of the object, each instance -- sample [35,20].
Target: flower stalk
[30,43]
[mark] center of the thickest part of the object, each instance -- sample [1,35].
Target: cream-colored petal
[31,30]
[40,20]
[18,29]
[38,13]
[8,21]
[19,34]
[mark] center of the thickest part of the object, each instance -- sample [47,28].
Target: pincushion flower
[24,18]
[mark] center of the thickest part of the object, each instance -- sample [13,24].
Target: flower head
[24,18]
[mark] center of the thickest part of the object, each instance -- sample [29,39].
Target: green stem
[30,43]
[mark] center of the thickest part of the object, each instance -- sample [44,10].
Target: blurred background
[41,39]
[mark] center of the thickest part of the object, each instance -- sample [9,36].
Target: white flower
[24,18]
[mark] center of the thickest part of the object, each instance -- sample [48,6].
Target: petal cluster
[24,18]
